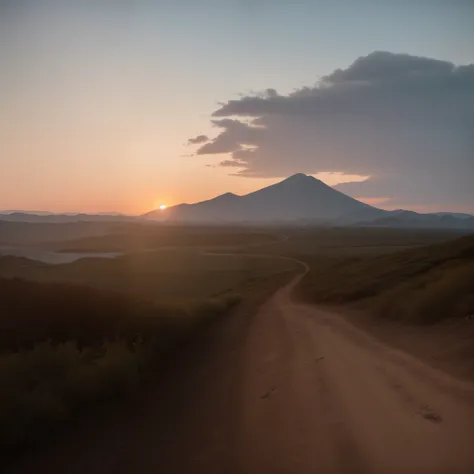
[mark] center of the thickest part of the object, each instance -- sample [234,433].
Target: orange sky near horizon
[99,99]
[180,186]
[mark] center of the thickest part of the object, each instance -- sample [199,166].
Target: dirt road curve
[292,390]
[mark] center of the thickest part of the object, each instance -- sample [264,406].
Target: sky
[123,105]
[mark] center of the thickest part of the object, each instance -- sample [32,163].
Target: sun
[163,207]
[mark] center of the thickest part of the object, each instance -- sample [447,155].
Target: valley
[273,324]
[236,237]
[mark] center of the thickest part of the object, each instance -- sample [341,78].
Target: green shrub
[65,347]
[48,384]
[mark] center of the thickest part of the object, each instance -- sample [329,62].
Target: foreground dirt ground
[290,390]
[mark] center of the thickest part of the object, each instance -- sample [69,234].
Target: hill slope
[420,285]
[409,219]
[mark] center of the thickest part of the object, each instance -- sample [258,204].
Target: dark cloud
[383,67]
[236,134]
[198,140]
[407,121]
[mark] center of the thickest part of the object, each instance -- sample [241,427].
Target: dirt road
[291,390]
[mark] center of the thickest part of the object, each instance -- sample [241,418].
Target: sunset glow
[97,116]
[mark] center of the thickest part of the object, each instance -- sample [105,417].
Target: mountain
[36,213]
[46,217]
[306,200]
[409,219]
[297,198]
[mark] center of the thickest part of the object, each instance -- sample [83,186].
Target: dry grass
[64,347]
[75,334]
[421,285]
[136,238]
[161,276]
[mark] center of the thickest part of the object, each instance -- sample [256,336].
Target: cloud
[406,121]
[198,140]
[235,137]
[232,163]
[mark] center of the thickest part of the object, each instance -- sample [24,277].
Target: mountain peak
[299,177]
[298,197]
[303,180]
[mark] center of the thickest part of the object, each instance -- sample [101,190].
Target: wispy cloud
[198,140]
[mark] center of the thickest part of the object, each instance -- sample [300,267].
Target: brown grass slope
[172,275]
[33,312]
[64,347]
[421,285]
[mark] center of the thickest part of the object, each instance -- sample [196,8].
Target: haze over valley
[236,237]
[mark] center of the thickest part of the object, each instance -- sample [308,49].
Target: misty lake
[51,257]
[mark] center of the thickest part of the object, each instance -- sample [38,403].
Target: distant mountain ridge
[295,198]
[305,199]
[50,213]
[411,219]
[50,217]
[299,199]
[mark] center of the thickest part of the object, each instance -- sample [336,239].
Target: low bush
[65,347]
[48,384]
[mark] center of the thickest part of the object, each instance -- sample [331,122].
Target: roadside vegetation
[130,239]
[77,334]
[126,237]
[64,347]
[419,285]
[174,276]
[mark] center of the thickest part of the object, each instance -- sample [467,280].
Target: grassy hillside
[153,237]
[421,285]
[166,276]
[35,312]
[76,333]
[63,347]
[125,237]
[25,233]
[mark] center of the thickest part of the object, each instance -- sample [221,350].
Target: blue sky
[100,97]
